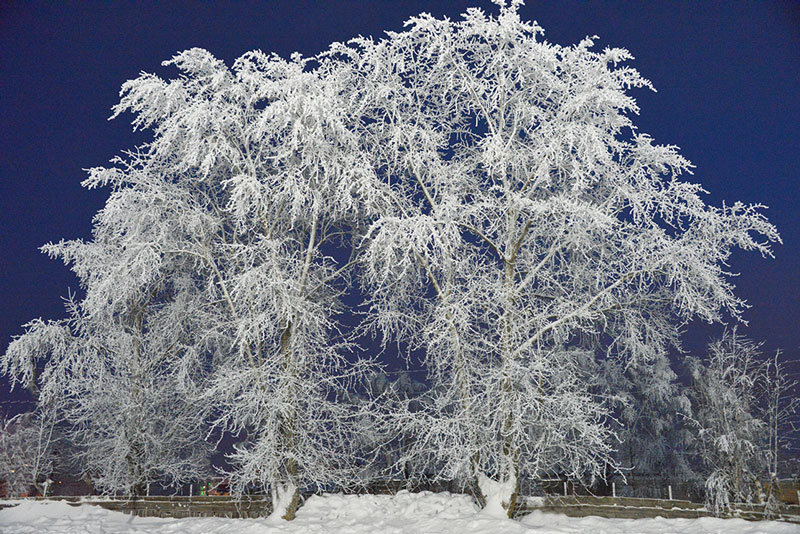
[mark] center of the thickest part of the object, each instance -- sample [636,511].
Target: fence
[787,492]
[174,506]
[633,508]
[639,488]
[571,505]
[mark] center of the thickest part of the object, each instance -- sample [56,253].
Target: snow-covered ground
[366,514]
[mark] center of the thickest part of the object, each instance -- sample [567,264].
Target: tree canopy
[485,192]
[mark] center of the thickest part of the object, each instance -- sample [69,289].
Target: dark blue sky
[727,74]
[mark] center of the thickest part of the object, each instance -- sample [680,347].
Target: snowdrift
[404,513]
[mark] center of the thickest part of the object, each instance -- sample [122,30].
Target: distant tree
[732,436]
[654,440]
[113,385]
[521,212]
[28,444]
[781,408]
[383,444]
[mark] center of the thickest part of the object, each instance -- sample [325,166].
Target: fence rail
[639,508]
[171,506]
[573,506]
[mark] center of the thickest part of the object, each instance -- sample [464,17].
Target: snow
[282,497]
[496,494]
[412,513]
[559,523]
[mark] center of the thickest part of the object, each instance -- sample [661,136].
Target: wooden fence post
[614,489]
[669,491]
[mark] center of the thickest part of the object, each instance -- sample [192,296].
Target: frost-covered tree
[781,409]
[133,423]
[744,411]
[652,408]
[28,445]
[217,264]
[733,440]
[114,387]
[382,445]
[522,219]
[255,187]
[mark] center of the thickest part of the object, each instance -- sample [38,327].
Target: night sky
[727,76]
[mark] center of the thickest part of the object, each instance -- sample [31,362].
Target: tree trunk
[294,500]
[510,471]
[289,422]
[285,501]
[288,431]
